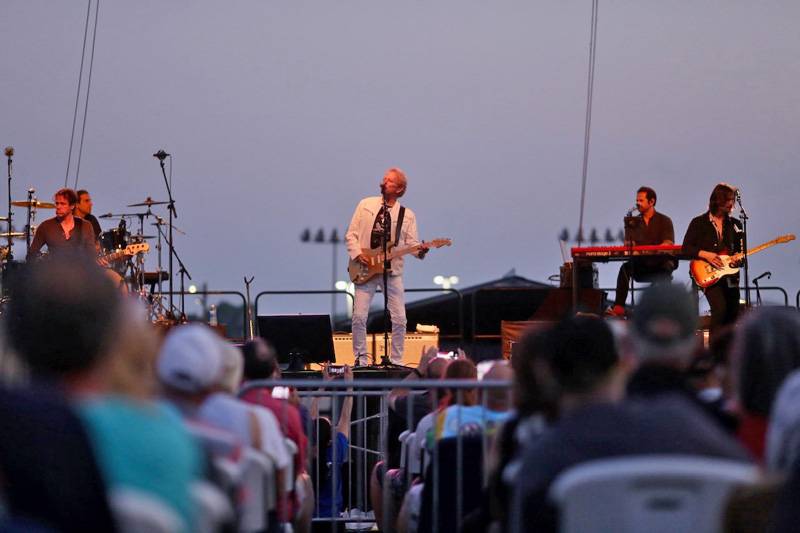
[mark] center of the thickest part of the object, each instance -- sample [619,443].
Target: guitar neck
[762,247]
[398,252]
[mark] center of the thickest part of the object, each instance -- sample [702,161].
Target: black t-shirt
[658,230]
[95,224]
[376,237]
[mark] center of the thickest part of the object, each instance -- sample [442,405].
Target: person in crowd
[260,363]
[141,444]
[401,401]
[534,408]
[199,373]
[468,414]
[664,339]
[765,350]
[597,422]
[49,475]
[329,451]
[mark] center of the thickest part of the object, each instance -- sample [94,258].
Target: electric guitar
[131,249]
[705,274]
[361,273]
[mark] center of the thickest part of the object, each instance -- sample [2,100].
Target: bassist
[710,235]
[366,232]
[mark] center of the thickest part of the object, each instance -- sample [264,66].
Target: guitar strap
[399,224]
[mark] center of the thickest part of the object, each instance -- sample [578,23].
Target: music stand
[298,339]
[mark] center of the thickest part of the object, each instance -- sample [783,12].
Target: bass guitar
[130,250]
[361,273]
[705,274]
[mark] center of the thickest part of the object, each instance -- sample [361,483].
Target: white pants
[397,310]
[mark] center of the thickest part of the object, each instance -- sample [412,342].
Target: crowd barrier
[369,443]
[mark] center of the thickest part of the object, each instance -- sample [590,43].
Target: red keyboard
[620,252]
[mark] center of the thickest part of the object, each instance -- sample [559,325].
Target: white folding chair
[212,508]
[136,511]
[654,494]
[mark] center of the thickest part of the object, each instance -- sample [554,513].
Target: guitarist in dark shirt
[63,232]
[710,235]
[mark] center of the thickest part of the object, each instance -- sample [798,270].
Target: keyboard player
[649,227]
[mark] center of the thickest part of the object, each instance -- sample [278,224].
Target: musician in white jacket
[366,232]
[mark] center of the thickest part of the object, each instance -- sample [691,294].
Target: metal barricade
[217,293]
[453,479]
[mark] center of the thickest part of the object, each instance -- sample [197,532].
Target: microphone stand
[172,214]
[184,274]
[9,154]
[745,262]
[768,275]
[387,264]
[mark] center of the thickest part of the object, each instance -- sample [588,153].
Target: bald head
[499,399]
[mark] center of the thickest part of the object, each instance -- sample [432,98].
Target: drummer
[64,232]
[83,209]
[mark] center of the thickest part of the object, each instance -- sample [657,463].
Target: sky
[280,116]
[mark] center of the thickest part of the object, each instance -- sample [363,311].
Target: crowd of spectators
[111,427]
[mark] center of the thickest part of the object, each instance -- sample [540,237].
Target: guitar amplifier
[412,350]
[343,348]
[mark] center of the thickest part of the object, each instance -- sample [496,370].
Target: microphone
[631,210]
[766,274]
[9,151]
[107,215]
[161,155]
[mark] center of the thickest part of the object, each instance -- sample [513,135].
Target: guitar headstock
[785,238]
[133,249]
[438,243]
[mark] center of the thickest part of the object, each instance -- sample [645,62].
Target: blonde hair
[401,176]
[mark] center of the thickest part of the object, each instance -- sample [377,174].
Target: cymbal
[13,235]
[134,237]
[34,203]
[148,203]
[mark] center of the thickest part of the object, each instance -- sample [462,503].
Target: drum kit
[121,251]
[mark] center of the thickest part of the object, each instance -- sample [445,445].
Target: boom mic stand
[387,264]
[161,155]
[184,274]
[9,154]
[746,263]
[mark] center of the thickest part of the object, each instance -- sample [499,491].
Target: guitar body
[361,273]
[705,274]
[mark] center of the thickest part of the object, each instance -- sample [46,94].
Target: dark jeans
[724,303]
[642,270]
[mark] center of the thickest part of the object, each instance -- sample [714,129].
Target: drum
[114,239]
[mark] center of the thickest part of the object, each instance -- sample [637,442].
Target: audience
[108,408]
[329,451]
[765,350]
[260,363]
[597,422]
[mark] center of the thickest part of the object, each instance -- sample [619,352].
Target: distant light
[192,289]
[445,282]
[341,285]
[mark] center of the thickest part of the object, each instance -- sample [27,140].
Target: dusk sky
[282,115]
